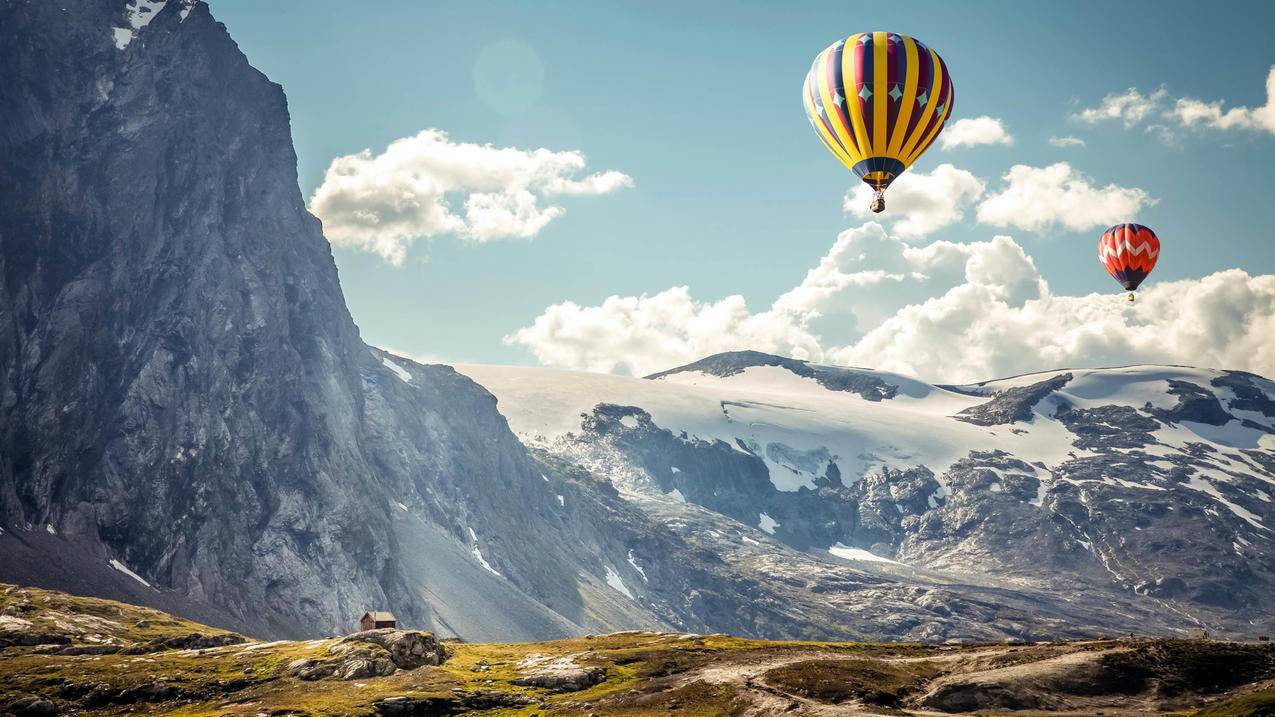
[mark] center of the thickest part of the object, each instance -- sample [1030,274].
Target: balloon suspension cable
[1130,296]
[878,202]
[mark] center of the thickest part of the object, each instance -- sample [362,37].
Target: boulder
[192,641]
[409,649]
[31,707]
[560,674]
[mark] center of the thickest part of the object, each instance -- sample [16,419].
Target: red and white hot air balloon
[1129,253]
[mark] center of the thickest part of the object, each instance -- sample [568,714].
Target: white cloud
[1192,112]
[1037,198]
[1130,106]
[382,203]
[973,132]
[1067,141]
[972,333]
[943,312]
[868,275]
[1159,110]
[921,203]
[640,335]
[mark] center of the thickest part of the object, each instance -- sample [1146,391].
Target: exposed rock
[415,706]
[560,674]
[1012,405]
[31,707]
[408,649]
[193,641]
[79,650]
[1195,404]
[864,383]
[10,638]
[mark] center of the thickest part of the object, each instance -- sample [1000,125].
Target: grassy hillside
[63,654]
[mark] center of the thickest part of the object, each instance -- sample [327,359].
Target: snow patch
[124,569]
[629,421]
[478,554]
[51,530]
[139,14]
[399,371]
[675,470]
[562,502]
[613,579]
[676,495]
[1203,485]
[848,553]
[767,524]
[401,506]
[638,568]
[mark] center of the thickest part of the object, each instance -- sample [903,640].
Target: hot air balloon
[1129,252]
[878,100]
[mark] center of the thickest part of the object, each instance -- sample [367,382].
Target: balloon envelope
[1129,253]
[878,100]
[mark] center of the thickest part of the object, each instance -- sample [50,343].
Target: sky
[618,186]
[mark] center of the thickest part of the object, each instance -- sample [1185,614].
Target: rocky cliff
[187,413]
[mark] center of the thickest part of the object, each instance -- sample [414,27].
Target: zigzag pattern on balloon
[1125,247]
[1129,252]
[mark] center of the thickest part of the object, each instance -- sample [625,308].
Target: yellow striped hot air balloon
[878,100]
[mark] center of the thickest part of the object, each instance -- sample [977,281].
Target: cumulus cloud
[1037,198]
[428,185]
[640,335]
[1163,114]
[922,203]
[943,312]
[1223,320]
[869,275]
[1192,112]
[1067,141]
[1130,107]
[973,132]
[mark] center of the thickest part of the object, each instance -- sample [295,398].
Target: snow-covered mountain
[1145,488]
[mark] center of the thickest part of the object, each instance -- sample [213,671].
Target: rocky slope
[99,657]
[188,416]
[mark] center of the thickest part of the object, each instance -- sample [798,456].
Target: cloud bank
[428,185]
[943,312]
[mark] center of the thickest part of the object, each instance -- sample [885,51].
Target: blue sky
[732,193]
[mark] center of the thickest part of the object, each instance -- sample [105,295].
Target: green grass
[873,682]
[1256,704]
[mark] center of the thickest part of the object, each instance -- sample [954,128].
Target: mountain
[1139,496]
[190,420]
[188,417]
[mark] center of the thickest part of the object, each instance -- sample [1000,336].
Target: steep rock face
[171,395]
[188,416]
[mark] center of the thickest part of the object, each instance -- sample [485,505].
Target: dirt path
[767,700]
[747,675]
